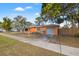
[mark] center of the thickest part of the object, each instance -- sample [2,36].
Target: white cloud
[28,7]
[19,9]
[32,21]
[37,14]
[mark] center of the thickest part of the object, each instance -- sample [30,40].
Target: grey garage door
[50,31]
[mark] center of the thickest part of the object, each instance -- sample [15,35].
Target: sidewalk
[66,50]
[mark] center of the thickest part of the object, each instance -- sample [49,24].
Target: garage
[50,31]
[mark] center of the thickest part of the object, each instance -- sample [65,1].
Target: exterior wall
[56,30]
[31,30]
[42,30]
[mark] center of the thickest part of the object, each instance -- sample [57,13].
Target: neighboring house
[51,29]
[2,30]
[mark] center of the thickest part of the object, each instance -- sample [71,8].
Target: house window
[26,29]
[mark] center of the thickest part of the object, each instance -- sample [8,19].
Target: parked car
[1,30]
[14,30]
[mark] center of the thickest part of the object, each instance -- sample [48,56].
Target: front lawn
[13,47]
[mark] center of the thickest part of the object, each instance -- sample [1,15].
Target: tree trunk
[78,23]
[73,25]
[20,30]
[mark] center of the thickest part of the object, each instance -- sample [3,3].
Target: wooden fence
[69,32]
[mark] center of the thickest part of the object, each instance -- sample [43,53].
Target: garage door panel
[50,31]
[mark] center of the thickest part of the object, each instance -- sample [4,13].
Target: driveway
[66,50]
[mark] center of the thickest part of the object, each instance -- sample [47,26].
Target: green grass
[4,41]
[13,47]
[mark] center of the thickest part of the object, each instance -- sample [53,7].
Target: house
[51,29]
[31,29]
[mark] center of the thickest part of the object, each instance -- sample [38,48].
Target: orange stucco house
[44,29]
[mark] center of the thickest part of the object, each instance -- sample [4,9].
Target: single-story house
[31,29]
[44,29]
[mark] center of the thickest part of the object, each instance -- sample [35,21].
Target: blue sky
[28,10]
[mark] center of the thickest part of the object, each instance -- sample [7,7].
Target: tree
[38,20]
[74,15]
[20,23]
[6,23]
[52,11]
[59,20]
[0,24]
[28,24]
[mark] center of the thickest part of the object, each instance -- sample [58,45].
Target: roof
[51,25]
